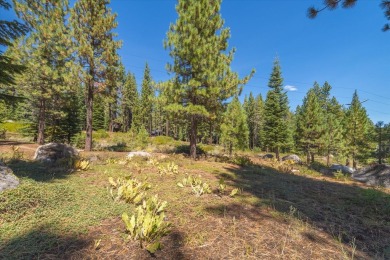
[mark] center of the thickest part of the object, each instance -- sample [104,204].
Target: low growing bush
[128,189]
[148,224]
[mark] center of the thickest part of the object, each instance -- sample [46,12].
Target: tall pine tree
[276,134]
[357,130]
[47,53]
[92,23]
[129,103]
[234,129]
[146,100]
[309,125]
[201,63]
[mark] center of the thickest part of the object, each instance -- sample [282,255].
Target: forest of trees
[69,78]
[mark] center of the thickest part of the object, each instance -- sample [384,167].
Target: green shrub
[2,133]
[162,140]
[186,150]
[100,134]
[206,148]
[241,160]
[79,140]
[142,138]
[148,224]
[13,127]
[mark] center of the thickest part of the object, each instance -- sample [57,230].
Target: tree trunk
[328,158]
[312,157]
[211,134]
[308,155]
[110,118]
[277,153]
[193,133]
[89,107]
[41,121]
[167,128]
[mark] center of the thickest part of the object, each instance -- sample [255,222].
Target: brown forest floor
[277,216]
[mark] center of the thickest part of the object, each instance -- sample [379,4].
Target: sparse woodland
[206,191]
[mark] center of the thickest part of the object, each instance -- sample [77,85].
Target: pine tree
[47,54]
[276,134]
[250,108]
[332,139]
[92,23]
[258,120]
[201,63]
[9,31]
[129,103]
[234,129]
[146,102]
[309,124]
[357,130]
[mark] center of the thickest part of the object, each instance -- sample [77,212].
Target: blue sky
[345,47]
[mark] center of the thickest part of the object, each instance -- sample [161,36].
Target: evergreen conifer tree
[201,63]
[129,103]
[234,129]
[92,22]
[47,54]
[250,109]
[309,124]
[276,134]
[258,122]
[357,130]
[146,101]
[9,31]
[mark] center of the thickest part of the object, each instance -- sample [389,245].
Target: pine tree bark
[89,107]
[111,118]
[41,121]
[277,153]
[193,131]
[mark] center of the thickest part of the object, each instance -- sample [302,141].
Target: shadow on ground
[350,213]
[39,171]
[40,243]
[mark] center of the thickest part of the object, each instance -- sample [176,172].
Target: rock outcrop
[292,157]
[339,167]
[141,154]
[51,152]
[374,175]
[7,179]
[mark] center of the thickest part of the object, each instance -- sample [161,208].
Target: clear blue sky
[345,47]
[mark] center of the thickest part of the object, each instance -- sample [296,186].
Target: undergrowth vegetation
[169,204]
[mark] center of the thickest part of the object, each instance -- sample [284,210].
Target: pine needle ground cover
[55,214]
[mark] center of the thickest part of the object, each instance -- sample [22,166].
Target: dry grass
[277,216]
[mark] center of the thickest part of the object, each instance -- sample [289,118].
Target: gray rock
[268,156]
[141,154]
[7,179]
[344,169]
[374,175]
[51,152]
[292,157]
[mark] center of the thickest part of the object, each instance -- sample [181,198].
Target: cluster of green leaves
[242,160]
[128,189]
[198,186]
[148,224]
[81,164]
[169,169]
[222,188]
